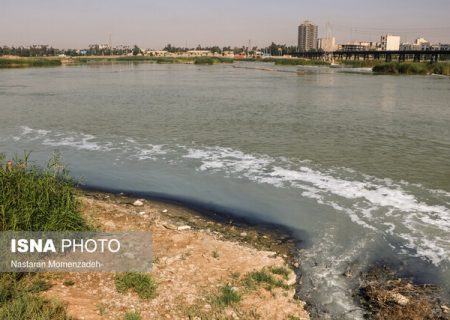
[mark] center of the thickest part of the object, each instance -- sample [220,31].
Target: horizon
[154,25]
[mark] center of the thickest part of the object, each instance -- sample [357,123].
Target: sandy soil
[190,267]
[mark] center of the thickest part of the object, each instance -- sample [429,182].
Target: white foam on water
[383,206]
[367,202]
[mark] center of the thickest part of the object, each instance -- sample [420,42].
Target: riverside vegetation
[36,199]
[379,66]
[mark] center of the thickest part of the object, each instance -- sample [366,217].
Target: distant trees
[136,50]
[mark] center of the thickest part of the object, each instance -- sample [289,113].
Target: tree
[136,50]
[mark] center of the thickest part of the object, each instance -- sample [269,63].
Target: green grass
[142,284]
[68,283]
[441,68]
[212,60]
[412,68]
[27,307]
[297,62]
[36,199]
[227,296]
[29,62]
[19,299]
[282,271]
[263,277]
[130,315]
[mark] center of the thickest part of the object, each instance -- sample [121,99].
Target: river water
[357,163]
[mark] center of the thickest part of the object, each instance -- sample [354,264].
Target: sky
[153,24]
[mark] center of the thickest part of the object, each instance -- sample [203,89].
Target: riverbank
[195,261]
[379,67]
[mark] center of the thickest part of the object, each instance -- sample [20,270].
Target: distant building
[421,44]
[359,46]
[307,36]
[390,43]
[157,53]
[441,46]
[199,53]
[327,44]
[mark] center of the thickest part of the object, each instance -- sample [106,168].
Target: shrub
[142,284]
[132,316]
[298,62]
[28,306]
[263,277]
[282,271]
[227,296]
[35,199]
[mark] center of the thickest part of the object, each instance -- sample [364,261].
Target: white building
[390,43]
[327,44]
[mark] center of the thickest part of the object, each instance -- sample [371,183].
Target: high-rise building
[307,36]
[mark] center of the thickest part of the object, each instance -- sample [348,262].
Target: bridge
[388,56]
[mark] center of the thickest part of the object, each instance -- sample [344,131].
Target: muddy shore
[194,257]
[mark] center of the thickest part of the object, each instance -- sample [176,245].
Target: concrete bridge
[388,56]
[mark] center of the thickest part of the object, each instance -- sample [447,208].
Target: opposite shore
[377,66]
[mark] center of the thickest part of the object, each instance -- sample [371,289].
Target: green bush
[142,284]
[412,68]
[29,62]
[298,62]
[132,316]
[35,199]
[227,296]
[27,307]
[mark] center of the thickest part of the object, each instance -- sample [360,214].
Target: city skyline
[153,25]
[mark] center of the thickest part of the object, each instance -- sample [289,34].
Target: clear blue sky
[152,24]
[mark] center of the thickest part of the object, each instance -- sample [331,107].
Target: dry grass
[387,297]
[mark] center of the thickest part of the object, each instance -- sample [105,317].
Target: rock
[292,279]
[243,234]
[169,226]
[231,314]
[110,224]
[165,211]
[142,213]
[296,265]
[207,307]
[399,299]
[138,203]
[445,309]
[183,228]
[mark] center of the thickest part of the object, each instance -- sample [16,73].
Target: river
[357,163]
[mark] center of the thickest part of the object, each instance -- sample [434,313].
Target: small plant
[215,254]
[263,277]
[29,306]
[131,315]
[39,285]
[282,271]
[235,275]
[102,310]
[142,284]
[68,283]
[35,199]
[228,295]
